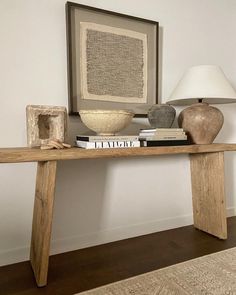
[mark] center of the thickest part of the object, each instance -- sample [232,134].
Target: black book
[148,143]
[99,138]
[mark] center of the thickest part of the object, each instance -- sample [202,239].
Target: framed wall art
[112,60]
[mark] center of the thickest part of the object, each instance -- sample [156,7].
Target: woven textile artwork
[113,64]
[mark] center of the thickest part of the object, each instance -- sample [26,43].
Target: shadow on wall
[230,187]
[227,133]
[97,201]
[80,184]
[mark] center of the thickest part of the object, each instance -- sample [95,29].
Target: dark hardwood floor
[84,269]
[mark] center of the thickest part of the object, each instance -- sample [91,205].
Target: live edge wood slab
[207,177]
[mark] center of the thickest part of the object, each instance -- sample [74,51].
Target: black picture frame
[77,13]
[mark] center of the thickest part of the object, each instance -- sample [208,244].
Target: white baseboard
[231,211]
[102,237]
[120,233]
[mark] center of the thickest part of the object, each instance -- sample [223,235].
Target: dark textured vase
[161,116]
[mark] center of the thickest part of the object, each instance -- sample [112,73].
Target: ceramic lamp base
[201,122]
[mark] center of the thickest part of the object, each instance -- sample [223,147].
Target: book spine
[107,144]
[164,143]
[162,133]
[162,130]
[106,138]
[151,138]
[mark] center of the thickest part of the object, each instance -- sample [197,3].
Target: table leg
[42,220]
[209,212]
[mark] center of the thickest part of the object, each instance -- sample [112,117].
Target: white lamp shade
[206,82]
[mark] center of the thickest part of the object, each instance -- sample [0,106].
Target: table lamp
[200,86]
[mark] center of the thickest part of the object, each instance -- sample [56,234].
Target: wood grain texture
[17,155]
[42,220]
[207,173]
[207,169]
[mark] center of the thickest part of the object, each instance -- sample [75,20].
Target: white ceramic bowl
[106,122]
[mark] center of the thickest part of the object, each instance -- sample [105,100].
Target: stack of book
[163,136]
[99,142]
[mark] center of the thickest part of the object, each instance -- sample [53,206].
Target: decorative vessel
[106,122]
[201,122]
[161,116]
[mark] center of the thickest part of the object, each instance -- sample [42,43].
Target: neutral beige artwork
[113,64]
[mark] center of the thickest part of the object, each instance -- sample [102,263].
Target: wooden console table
[207,174]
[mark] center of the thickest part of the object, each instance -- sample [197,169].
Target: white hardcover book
[107,144]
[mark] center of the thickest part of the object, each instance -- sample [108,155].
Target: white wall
[103,200]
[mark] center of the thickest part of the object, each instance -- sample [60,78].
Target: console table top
[24,154]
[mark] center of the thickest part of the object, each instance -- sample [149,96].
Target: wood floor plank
[88,268]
